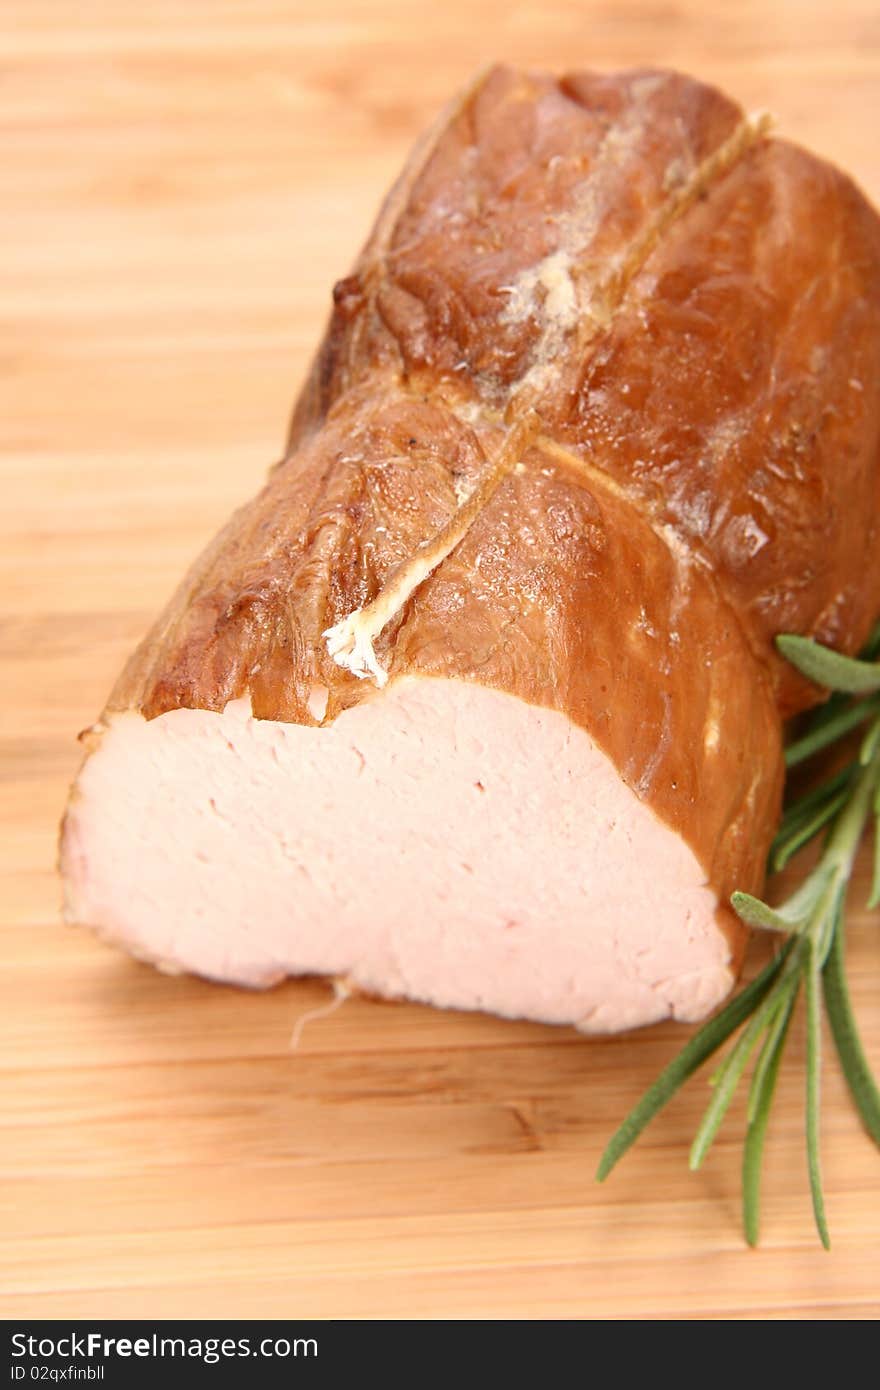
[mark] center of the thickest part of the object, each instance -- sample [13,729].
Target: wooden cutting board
[182,182]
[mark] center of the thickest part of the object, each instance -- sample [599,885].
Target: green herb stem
[811,924]
[761,1094]
[846,833]
[814,1072]
[829,731]
[853,1061]
[725,1083]
[692,1056]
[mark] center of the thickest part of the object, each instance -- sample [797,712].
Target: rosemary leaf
[694,1053]
[755,913]
[871,649]
[800,808]
[853,1061]
[787,845]
[775,1028]
[845,834]
[814,1067]
[794,913]
[728,1078]
[827,667]
[874,894]
[829,730]
[870,744]
[760,1100]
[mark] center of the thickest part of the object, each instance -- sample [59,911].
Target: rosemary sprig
[810,925]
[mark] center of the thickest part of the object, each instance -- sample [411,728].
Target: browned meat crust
[692,309]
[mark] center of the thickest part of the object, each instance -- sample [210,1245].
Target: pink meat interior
[441,841]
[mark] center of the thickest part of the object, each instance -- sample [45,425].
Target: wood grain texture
[182,184]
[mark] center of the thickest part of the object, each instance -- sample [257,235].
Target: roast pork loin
[477,703]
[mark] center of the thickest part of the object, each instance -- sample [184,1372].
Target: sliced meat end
[443,841]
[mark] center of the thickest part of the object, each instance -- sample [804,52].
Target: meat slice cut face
[536,816]
[577,754]
[446,842]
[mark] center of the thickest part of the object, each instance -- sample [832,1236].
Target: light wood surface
[181,183]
